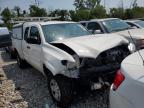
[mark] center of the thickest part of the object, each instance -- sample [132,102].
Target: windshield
[115,25]
[141,23]
[56,32]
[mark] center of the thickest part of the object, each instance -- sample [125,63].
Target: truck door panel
[35,49]
[25,44]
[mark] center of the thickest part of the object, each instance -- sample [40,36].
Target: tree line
[84,10]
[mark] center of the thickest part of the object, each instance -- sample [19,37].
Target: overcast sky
[60,4]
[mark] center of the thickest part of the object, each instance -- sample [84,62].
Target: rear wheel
[61,90]
[21,63]
[12,55]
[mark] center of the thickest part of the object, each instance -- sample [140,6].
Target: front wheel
[61,90]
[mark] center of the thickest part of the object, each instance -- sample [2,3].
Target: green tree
[117,13]
[17,9]
[64,14]
[128,14]
[79,4]
[6,16]
[138,12]
[86,4]
[88,9]
[35,11]
[90,4]
[83,14]
[134,4]
[24,13]
[98,12]
[73,15]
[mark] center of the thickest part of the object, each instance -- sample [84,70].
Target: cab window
[94,26]
[26,33]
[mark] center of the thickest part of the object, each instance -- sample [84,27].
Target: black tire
[21,63]
[12,55]
[66,90]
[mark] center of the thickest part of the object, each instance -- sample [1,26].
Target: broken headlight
[132,47]
[72,65]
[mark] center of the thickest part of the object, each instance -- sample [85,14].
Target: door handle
[28,47]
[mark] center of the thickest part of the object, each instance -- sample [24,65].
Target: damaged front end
[98,72]
[96,59]
[105,65]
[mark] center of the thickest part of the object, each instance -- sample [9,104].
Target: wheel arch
[47,71]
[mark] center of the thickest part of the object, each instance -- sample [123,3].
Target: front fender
[52,57]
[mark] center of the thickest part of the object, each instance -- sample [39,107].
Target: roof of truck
[55,22]
[133,21]
[43,23]
[103,19]
[98,20]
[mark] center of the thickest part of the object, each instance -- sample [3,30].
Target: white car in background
[135,23]
[127,91]
[116,26]
[5,39]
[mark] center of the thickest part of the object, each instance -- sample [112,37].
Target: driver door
[34,48]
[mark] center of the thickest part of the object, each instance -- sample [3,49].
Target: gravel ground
[28,89]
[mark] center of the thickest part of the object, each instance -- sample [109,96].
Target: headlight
[72,65]
[132,47]
[68,64]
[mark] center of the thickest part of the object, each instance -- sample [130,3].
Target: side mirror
[91,31]
[97,32]
[33,40]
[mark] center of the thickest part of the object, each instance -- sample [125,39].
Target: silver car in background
[135,23]
[116,26]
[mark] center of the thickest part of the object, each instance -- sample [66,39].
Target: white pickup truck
[68,55]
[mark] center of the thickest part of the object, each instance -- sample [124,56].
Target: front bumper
[118,101]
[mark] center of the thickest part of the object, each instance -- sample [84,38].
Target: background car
[5,39]
[127,91]
[135,23]
[116,26]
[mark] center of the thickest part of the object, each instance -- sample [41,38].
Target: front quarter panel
[52,58]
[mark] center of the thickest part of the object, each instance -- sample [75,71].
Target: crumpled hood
[136,33]
[92,45]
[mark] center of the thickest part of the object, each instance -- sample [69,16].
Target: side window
[26,33]
[17,33]
[94,28]
[84,24]
[34,33]
[132,25]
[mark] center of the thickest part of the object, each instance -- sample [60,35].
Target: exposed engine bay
[95,71]
[104,66]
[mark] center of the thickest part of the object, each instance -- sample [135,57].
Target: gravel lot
[28,89]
